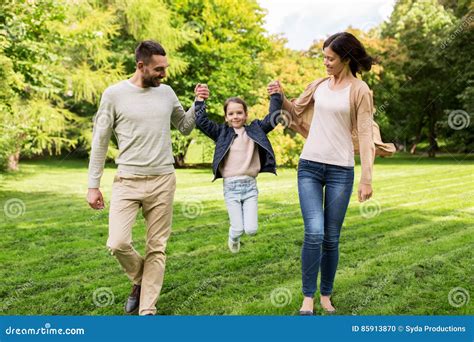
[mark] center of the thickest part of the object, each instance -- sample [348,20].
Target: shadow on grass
[57,262]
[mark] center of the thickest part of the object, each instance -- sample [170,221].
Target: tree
[30,52]
[457,50]
[295,70]
[419,27]
[226,54]
[59,56]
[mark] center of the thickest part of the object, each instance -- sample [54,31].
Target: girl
[335,113]
[242,152]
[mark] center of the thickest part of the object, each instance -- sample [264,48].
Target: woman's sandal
[328,311]
[306,312]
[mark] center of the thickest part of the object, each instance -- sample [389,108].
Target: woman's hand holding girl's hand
[274,87]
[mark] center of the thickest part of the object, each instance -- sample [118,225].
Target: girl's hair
[349,47]
[236,100]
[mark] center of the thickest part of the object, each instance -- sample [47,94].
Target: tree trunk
[179,157]
[432,133]
[418,137]
[179,160]
[13,161]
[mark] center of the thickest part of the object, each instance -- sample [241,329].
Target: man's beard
[151,81]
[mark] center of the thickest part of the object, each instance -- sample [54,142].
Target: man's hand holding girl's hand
[201,91]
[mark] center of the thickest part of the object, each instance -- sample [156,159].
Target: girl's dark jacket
[257,130]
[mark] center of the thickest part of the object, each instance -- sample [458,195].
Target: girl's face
[235,115]
[333,63]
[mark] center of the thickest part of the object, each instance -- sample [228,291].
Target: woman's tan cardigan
[365,132]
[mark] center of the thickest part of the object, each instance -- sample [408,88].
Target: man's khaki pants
[155,195]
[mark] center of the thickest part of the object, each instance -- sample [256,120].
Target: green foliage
[295,70]
[180,144]
[226,53]
[287,146]
[151,19]
[58,56]
[9,80]
[30,58]
[429,73]
[88,31]
[201,149]
[54,51]
[41,126]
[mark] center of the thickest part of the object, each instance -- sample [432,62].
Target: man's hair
[146,49]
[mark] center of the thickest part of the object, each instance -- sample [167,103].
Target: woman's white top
[329,140]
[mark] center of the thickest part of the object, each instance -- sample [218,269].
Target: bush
[287,146]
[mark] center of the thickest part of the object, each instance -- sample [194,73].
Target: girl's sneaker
[234,246]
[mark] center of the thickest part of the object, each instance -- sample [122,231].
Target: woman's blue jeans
[324,192]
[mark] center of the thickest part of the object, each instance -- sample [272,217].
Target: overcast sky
[302,21]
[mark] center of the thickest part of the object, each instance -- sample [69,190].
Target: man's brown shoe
[133,301]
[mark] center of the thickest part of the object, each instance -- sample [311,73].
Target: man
[139,111]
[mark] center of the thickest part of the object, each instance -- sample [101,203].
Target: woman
[331,113]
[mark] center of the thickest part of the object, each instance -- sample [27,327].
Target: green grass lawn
[402,253]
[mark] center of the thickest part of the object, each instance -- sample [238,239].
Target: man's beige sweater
[140,119]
